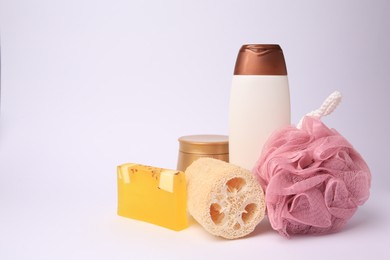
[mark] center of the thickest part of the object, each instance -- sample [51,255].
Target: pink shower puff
[313,179]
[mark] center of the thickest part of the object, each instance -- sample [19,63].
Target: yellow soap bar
[154,195]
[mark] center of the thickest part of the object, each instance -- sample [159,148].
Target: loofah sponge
[225,199]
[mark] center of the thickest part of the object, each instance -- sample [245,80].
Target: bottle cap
[260,59]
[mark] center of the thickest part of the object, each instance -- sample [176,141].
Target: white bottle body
[259,105]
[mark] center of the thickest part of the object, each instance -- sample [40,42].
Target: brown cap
[204,144]
[260,59]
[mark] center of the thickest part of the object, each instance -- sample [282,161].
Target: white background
[87,85]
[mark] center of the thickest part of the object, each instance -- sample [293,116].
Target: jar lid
[204,144]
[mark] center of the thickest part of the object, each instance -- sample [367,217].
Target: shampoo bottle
[259,101]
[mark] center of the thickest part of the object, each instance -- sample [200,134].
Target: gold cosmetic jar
[193,147]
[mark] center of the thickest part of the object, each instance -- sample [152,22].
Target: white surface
[87,85]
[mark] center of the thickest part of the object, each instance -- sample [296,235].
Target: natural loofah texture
[313,179]
[225,199]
